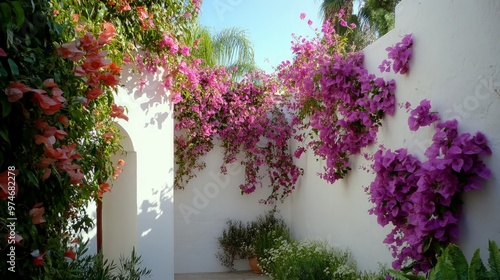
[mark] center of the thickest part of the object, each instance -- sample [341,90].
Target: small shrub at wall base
[239,240]
[312,260]
[233,243]
[93,267]
[452,264]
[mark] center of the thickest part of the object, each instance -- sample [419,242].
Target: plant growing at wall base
[452,264]
[59,68]
[308,260]
[239,240]
[233,243]
[86,266]
[129,268]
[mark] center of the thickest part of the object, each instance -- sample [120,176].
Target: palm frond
[205,48]
[232,46]
[329,8]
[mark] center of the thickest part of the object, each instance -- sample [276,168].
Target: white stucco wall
[138,212]
[455,64]
[150,128]
[201,211]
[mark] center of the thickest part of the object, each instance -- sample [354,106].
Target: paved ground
[237,275]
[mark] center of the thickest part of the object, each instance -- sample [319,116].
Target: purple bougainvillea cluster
[337,102]
[400,55]
[421,199]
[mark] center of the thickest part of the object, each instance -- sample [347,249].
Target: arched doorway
[119,207]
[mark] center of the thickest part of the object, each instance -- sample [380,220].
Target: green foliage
[379,14]
[233,49]
[494,260]
[95,267]
[230,48]
[129,268]
[239,240]
[269,238]
[310,260]
[452,264]
[234,238]
[477,270]
[31,31]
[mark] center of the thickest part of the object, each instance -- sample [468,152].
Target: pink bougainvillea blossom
[421,116]
[400,55]
[422,199]
[335,96]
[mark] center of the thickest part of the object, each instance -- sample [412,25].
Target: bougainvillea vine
[422,199]
[338,106]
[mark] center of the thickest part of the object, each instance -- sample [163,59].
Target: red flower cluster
[145,18]
[48,103]
[4,184]
[95,68]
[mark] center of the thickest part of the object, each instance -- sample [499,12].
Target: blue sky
[269,24]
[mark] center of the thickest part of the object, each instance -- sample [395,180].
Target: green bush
[308,260]
[452,264]
[233,242]
[96,267]
[313,260]
[269,238]
[239,240]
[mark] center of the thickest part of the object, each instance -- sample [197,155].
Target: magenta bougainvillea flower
[336,97]
[422,200]
[421,116]
[400,55]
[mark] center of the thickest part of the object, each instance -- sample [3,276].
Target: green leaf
[494,260]
[398,275]
[32,178]
[3,72]
[5,15]
[444,269]
[4,134]
[458,261]
[6,107]
[13,67]
[19,12]
[477,270]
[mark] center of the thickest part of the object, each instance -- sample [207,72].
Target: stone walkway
[237,275]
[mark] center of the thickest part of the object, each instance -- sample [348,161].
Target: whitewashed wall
[455,64]
[201,211]
[138,212]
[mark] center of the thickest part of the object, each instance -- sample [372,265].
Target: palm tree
[329,8]
[230,48]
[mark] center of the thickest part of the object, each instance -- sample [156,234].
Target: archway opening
[119,207]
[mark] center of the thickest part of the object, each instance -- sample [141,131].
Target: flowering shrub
[421,116]
[422,199]
[338,104]
[400,55]
[243,115]
[59,66]
[312,260]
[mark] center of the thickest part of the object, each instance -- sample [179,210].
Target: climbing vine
[60,65]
